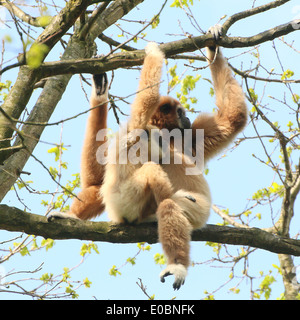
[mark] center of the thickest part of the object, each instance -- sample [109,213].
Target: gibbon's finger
[216,31]
[100,83]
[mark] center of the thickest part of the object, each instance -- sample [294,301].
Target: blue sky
[233,176]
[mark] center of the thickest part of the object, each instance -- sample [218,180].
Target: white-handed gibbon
[135,192]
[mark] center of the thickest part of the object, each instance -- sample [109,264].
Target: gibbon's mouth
[185,123]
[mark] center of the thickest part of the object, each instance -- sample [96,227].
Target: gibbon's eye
[165,108]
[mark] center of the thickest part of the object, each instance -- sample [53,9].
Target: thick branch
[134,58]
[13,219]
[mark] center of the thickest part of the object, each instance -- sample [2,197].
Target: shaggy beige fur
[136,192]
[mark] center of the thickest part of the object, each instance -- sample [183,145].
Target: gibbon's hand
[216,31]
[100,84]
[178,270]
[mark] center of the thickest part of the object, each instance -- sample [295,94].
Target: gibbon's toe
[60,215]
[178,270]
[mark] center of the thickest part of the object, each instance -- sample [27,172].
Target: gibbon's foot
[178,270]
[60,215]
[100,83]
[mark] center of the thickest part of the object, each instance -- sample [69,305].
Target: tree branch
[20,93]
[16,11]
[134,58]
[248,13]
[50,96]
[13,219]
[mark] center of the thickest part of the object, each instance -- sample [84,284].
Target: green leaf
[155,22]
[72,292]
[296,98]
[160,259]
[253,95]
[181,3]
[114,271]
[287,74]
[87,283]
[277,268]
[47,243]
[66,274]
[46,277]
[57,150]
[141,246]
[189,83]
[86,248]
[131,261]
[24,251]
[265,286]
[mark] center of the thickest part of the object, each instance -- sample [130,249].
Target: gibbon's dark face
[170,115]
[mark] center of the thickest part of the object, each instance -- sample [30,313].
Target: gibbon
[132,192]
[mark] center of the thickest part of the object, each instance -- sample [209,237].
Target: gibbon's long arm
[88,203]
[231,117]
[91,171]
[148,97]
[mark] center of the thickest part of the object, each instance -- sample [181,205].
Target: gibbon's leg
[89,203]
[151,175]
[174,228]
[91,171]
[176,218]
[221,128]
[174,232]
[148,96]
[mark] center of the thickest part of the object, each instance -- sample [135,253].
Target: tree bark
[135,58]
[13,219]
